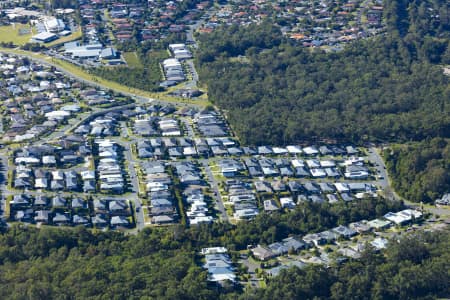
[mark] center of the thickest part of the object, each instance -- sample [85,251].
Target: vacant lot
[132,60]
[19,34]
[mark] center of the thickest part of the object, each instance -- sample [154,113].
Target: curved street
[140,99]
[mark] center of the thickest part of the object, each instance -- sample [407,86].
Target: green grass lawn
[10,33]
[132,59]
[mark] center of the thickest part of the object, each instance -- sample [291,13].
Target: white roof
[87,175]
[379,243]
[310,150]
[318,173]
[341,187]
[177,46]
[313,163]
[222,277]
[297,163]
[286,201]
[189,151]
[54,24]
[396,218]
[28,160]
[104,143]
[44,36]
[41,183]
[57,175]
[294,149]
[171,62]
[327,163]
[279,150]
[48,159]
[412,212]
[24,137]
[85,53]
[197,220]
[57,114]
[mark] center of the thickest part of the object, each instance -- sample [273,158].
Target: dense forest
[77,264]
[416,267]
[388,88]
[162,263]
[420,171]
[159,263]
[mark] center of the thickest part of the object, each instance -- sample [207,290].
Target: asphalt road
[189,130]
[383,177]
[139,99]
[133,178]
[215,188]
[3,182]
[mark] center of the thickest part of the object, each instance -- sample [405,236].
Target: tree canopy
[416,267]
[420,171]
[158,263]
[388,88]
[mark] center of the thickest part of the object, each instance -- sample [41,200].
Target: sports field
[19,34]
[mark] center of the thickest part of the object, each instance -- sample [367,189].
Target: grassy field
[132,59]
[11,33]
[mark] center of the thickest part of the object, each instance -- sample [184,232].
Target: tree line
[159,263]
[162,263]
[388,88]
[420,171]
[414,267]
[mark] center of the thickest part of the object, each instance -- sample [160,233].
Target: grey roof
[344,231]
[278,248]
[328,235]
[161,202]
[99,204]
[119,220]
[58,201]
[295,186]
[60,218]
[41,200]
[293,243]
[217,257]
[108,53]
[118,205]
[262,253]
[99,219]
[162,219]
[42,215]
[78,203]
[76,219]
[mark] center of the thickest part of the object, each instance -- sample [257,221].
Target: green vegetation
[162,263]
[145,76]
[415,268]
[388,88]
[77,264]
[420,171]
[132,59]
[306,218]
